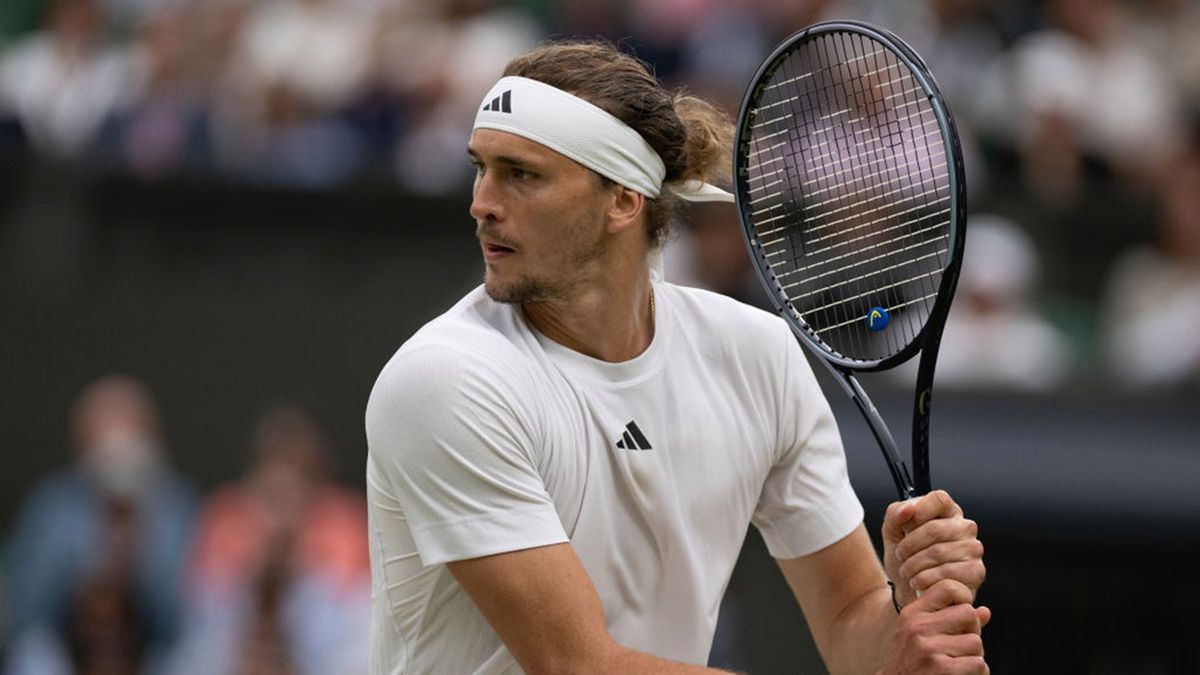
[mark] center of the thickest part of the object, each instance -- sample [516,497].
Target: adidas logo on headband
[502,103]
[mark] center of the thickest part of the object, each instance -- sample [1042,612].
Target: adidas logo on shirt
[633,438]
[502,103]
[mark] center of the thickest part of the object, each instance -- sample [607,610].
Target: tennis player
[564,465]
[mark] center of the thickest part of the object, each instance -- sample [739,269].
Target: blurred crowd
[115,566]
[1079,119]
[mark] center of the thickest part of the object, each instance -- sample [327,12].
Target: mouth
[493,251]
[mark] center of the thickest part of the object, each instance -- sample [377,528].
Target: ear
[625,209]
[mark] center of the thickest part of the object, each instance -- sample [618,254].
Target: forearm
[858,638]
[625,660]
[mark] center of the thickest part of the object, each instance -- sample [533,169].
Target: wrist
[895,600]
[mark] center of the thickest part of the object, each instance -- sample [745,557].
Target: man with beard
[563,466]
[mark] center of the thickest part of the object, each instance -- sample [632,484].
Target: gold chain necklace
[652,305]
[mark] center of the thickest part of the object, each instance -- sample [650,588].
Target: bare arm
[542,604]
[846,601]
[935,559]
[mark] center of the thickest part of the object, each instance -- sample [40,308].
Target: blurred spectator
[1087,73]
[63,82]
[97,549]
[710,253]
[121,16]
[583,18]
[280,574]
[995,338]
[166,129]
[297,65]
[1169,28]
[957,41]
[722,54]
[1153,301]
[785,18]
[1088,117]
[441,59]
[665,26]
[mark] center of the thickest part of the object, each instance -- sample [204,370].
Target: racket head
[851,192]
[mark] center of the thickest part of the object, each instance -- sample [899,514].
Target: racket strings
[873,155]
[848,179]
[934,186]
[936,254]
[864,249]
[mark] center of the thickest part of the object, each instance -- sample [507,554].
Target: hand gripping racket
[849,184]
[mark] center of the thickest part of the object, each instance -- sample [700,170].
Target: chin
[514,291]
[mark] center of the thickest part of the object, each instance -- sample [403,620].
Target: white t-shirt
[486,437]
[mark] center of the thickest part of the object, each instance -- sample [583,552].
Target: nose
[485,202]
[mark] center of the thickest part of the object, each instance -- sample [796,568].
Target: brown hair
[693,137]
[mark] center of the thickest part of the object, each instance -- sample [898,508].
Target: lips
[494,251]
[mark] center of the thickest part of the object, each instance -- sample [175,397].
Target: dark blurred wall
[223,299]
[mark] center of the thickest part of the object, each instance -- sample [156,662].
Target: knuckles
[978,572]
[943,641]
[948,592]
[973,644]
[971,573]
[945,503]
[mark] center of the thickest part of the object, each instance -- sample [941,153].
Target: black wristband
[895,603]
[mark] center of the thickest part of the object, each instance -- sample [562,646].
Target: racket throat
[887,444]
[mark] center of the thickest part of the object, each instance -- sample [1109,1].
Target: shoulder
[470,355]
[748,344]
[55,492]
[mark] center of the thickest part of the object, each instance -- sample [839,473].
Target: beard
[522,291]
[581,244]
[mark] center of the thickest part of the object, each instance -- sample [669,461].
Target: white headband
[585,133]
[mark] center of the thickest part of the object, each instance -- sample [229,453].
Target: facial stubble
[581,243]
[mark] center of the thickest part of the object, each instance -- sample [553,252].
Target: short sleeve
[807,502]
[450,435]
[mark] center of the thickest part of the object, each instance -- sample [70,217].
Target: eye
[477,165]
[521,174]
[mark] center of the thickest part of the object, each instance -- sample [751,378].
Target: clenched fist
[939,633]
[926,540]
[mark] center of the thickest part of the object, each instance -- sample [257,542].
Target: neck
[612,322]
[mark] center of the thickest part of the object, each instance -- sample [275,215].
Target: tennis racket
[849,184]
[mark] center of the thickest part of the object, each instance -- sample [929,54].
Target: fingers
[961,560]
[896,519]
[943,594]
[903,517]
[970,572]
[936,504]
[946,547]
[928,540]
[939,553]
[935,532]
[963,665]
[940,632]
[967,644]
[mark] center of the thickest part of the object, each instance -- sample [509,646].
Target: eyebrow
[505,159]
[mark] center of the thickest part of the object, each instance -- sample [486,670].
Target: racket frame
[928,339]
